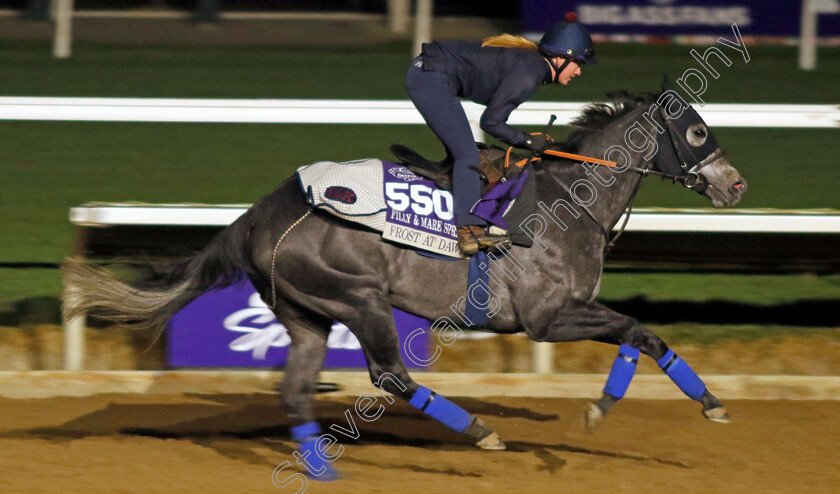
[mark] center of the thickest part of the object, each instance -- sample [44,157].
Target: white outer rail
[642,220]
[326,111]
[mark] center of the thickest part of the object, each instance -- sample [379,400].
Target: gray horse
[312,269]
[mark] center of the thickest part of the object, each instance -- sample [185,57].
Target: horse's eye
[696,134]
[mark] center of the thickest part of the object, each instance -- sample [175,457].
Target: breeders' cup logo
[262,331]
[404,174]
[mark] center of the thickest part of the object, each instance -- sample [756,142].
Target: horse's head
[689,150]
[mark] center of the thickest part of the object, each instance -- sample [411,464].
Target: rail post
[63,37]
[422,25]
[398,16]
[543,357]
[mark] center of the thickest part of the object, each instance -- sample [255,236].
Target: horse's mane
[597,116]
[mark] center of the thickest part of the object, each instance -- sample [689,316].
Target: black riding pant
[434,95]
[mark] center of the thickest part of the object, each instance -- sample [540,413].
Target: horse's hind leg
[374,327]
[308,332]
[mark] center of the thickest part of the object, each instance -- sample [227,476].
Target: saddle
[492,170]
[491,166]
[381,196]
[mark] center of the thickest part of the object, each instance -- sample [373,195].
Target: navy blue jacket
[500,78]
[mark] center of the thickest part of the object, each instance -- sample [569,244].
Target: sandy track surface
[232,443]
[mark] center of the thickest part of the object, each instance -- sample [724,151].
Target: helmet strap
[558,70]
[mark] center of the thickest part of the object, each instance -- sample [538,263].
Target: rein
[561,154]
[610,242]
[628,209]
[691,179]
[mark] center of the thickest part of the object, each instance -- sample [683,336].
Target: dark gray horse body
[312,268]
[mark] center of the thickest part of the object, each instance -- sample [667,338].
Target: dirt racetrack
[230,443]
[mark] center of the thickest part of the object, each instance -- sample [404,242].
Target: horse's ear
[666,84]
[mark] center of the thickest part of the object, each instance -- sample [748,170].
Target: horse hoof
[718,414]
[592,417]
[491,441]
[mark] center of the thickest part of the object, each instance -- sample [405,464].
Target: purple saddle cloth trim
[495,203]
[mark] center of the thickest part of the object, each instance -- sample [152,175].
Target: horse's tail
[152,301]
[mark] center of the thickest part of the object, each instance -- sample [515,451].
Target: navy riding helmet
[567,39]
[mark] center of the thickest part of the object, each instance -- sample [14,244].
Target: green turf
[349,72]
[205,72]
[707,334]
[29,295]
[32,282]
[749,289]
[50,167]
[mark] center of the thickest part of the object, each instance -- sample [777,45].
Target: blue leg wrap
[441,409]
[319,468]
[682,375]
[622,371]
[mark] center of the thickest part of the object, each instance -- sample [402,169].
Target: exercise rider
[502,72]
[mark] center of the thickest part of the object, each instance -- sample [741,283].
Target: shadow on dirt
[238,426]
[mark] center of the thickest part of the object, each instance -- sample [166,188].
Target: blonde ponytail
[510,41]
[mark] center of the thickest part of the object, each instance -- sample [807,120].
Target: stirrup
[499,246]
[491,242]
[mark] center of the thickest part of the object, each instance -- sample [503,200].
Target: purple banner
[676,17]
[418,213]
[232,327]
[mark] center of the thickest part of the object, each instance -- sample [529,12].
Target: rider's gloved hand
[538,142]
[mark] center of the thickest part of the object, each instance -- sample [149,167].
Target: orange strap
[561,154]
[519,163]
[578,157]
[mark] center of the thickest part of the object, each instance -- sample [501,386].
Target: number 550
[422,199]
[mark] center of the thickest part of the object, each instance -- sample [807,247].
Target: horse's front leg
[674,367]
[594,321]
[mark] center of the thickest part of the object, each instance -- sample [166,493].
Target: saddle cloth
[387,197]
[351,190]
